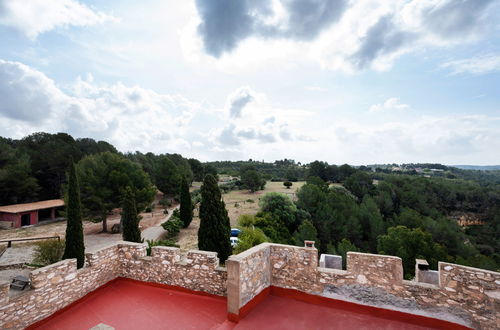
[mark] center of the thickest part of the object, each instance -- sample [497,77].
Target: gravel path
[157,232]
[18,253]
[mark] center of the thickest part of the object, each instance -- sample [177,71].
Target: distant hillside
[478,167]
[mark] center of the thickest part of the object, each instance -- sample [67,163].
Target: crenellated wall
[198,270]
[464,295]
[58,285]
[248,274]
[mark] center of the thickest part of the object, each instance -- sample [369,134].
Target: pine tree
[130,219]
[75,247]
[186,204]
[306,231]
[214,231]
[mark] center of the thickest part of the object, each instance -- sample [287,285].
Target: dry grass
[237,203]
[240,202]
[188,237]
[90,228]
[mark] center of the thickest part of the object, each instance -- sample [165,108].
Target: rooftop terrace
[128,304]
[268,286]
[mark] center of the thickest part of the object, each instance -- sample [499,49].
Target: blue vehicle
[235,232]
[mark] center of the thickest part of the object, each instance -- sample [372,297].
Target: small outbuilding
[18,215]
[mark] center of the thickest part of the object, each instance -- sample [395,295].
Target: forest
[345,209]
[407,210]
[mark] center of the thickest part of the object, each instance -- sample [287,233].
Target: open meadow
[238,202]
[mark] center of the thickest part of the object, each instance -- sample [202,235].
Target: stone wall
[464,295]
[58,285]
[198,270]
[248,274]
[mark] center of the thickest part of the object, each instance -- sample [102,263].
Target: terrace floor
[127,304]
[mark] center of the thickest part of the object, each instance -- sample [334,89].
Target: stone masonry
[58,285]
[198,271]
[465,295]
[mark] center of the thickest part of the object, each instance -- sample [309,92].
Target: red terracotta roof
[18,208]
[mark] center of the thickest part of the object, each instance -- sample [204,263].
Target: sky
[343,81]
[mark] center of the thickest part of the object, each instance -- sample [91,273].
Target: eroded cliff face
[468,218]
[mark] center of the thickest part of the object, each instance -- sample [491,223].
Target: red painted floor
[283,313]
[126,304]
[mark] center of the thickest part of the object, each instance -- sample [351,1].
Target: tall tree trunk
[104,223]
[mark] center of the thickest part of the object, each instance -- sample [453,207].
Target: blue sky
[342,81]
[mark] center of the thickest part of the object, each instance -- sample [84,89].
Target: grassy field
[240,202]
[237,202]
[244,202]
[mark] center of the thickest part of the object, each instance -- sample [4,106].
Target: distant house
[18,215]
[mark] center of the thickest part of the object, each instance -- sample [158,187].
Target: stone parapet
[464,295]
[56,286]
[198,270]
[248,274]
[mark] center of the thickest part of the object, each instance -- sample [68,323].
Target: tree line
[342,207]
[400,215]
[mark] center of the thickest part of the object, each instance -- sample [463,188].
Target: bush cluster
[165,242]
[173,225]
[48,252]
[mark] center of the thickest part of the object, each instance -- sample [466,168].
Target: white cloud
[249,121]
[33,17]
[388,30]
[392,103]
[447,139]
[340,35]
[238,100]
[26,94]
[475,65]
[135,118]
[129,117]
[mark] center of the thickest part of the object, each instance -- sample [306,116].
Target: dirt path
[94,238]
[157,232]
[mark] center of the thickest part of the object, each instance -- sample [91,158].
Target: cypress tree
[186,209]
[130,219]
[75,247]
[214,231]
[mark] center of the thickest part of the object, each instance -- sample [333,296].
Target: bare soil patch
[188,237]
[240,202]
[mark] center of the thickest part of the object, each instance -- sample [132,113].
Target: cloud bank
[344,35]
[249,126]
[34,17]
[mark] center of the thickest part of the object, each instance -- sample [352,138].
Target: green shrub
[250,201]
[149,208]
[48,252]
[173,225]
[196,197]
[246,220]
[248,238]
[166,203]
[165,242]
